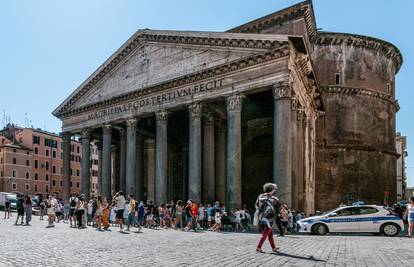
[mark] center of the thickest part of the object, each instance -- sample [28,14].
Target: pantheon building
[214,115]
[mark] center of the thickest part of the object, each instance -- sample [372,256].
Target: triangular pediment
[159,56]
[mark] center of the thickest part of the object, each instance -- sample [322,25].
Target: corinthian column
[86,163]
[122,159]
[282,142]
[194,156]
[234,106]
[150,160]
[131,155]
[161,157]
[66,165]
[221,162]
[106,160]
[208,159]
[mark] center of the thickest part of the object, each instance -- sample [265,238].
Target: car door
[343,220]
[368,219]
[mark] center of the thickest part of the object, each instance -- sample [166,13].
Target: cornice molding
[355,40]
[343,90]
[186,79]
[303,9]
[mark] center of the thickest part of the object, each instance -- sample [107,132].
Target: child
[217,219]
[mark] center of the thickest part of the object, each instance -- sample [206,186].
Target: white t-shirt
[120,203]
[217,217]
[410,208]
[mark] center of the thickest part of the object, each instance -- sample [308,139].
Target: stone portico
[171,106]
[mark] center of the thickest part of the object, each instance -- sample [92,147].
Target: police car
[354,219]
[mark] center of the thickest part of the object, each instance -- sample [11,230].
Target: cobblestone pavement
[62,246]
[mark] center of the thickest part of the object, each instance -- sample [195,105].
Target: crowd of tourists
[126,212]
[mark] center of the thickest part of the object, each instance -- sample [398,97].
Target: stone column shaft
[282,142]
[106,160]
[86,163]
[221,162]
[161,155]
[66,165]
[139,177]
[209,159]
[122,160]
[131,155]
[194,150]
[150,152]
[234,105]
[99,147]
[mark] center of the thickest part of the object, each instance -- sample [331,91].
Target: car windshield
[329,211]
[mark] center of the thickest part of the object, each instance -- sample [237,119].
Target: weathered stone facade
[215,115]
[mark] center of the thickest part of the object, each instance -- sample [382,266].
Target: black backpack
[72,202]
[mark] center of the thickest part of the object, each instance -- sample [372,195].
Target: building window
[53,182]
[47,188]
[1,161]
[14,150]
[36,164]
[77,149]
[27,175]
[54,169]
[1,173]
[70,172]
[27,187]
[337,78]
[72,157]
[47,166]
[36,150]
[47,152]
[36,139]
[27,153]
[61,183]
[54,154]
[27,163]
[35,187]
[77,173]
[70,183]
[47,177]
[36,176]
[77,184]
[14,186]
[72,148]
[14,173]
[14,160]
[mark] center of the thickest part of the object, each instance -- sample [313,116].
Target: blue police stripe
[367,219]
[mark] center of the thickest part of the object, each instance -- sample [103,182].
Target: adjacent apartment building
[401,149]
[31,162]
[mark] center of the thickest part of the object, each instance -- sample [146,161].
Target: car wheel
[390,229]
[320,229]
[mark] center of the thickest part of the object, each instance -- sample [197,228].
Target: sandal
[275,250]
[260,250]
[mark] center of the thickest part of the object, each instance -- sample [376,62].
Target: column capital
[131,123]
[194,110]
[209,118]
[222,126]
[234,102]
[149,143]
[295,104]
[301,115]
[107,128]
[281,90]
[66,136]
[86,133]
[122,132]
[161,115]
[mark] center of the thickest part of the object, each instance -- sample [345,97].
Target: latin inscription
[158,99]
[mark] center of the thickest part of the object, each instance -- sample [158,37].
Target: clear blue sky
[49,47]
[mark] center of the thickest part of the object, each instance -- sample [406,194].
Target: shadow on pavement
[310,258]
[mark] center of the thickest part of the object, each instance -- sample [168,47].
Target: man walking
[120,206]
